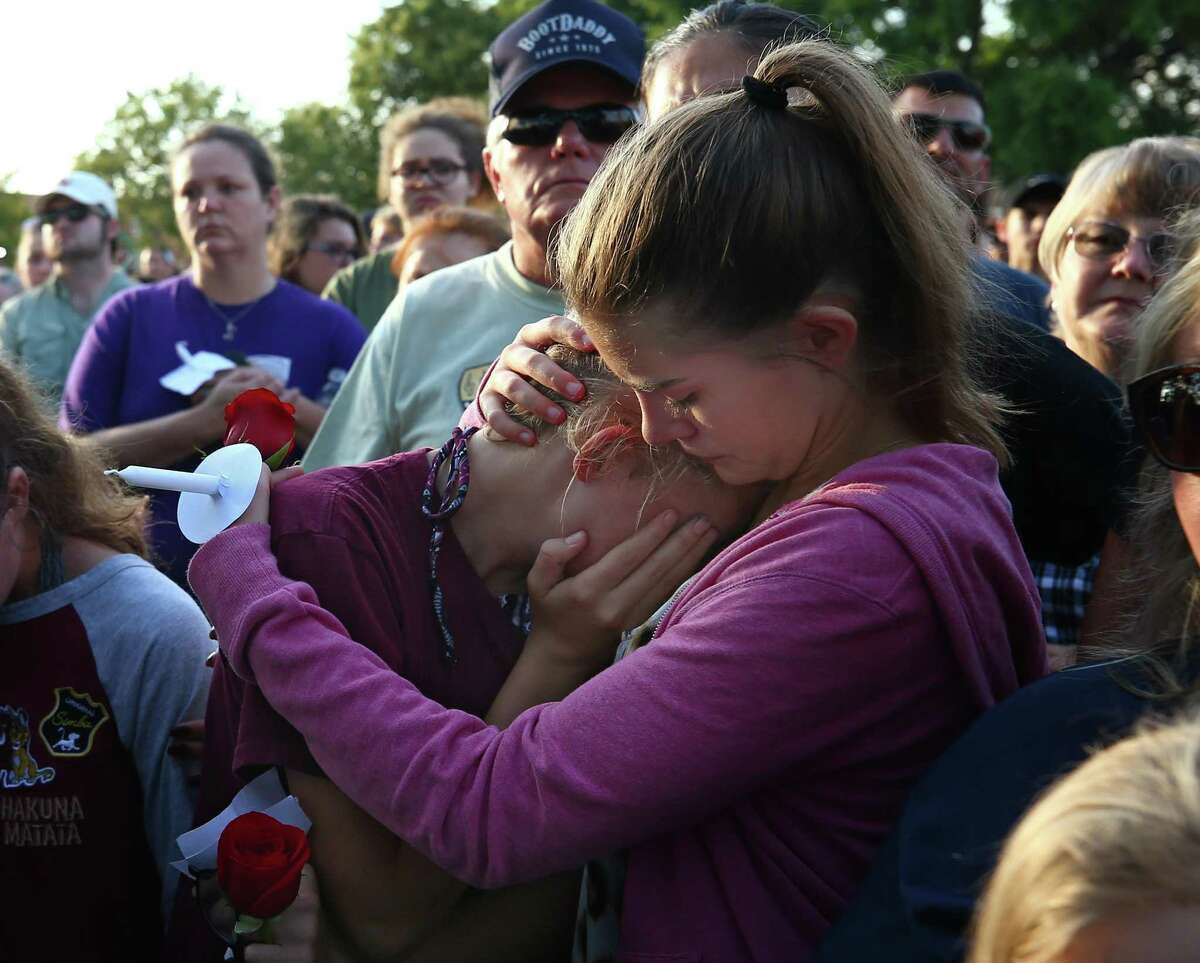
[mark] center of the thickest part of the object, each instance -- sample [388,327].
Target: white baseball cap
[84,188]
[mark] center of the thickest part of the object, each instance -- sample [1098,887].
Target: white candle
[171,481]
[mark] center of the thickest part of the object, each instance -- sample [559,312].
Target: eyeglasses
[439,172]
[340,252]
[1102,240]
[75,213]
[1165,405]
[966,134]
[600,124]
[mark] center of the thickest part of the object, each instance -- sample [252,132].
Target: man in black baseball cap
[564,81]
[564,32]
[1029,203]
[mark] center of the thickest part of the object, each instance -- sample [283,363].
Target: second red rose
[258,864]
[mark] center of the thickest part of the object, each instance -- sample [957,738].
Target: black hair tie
[764,94]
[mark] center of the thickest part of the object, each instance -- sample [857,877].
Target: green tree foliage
[133,151]
[327,150]
[1062,78]
[14,208]
[421,49]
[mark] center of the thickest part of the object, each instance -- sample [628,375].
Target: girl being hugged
[775,271]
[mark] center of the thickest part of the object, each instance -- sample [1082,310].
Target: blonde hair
[489,231]
[1119,834]
[1162,579]
[68,490]
[1148,177]
[736,213]
[605,423]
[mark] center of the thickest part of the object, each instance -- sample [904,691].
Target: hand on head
[579,618]
[525,359]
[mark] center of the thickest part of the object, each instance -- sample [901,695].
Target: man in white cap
[41,329]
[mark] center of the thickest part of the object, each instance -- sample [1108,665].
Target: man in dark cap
[563,89]
[1029,203]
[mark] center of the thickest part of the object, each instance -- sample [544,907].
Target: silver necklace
[231,320]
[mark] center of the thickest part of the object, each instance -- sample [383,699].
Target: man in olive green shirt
[366,287]
[41,329]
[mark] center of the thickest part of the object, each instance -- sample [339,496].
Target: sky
[69,64]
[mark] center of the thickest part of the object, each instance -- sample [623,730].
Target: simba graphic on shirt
[20,768]
[68,728]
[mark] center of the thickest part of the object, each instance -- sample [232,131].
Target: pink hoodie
[751,758]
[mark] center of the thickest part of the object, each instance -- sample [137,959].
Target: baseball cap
[1037,186]
[84,188]
[563,32]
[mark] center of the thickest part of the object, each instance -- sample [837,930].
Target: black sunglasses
[1165,405]
[966,134]
[599,124]
[1102,240]
[75,213]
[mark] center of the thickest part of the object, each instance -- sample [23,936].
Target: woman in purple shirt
[776,271]
[280,336]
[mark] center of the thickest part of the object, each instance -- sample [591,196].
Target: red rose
[257,416]
[258,864]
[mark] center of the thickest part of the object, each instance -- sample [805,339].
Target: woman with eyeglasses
[430,156]
[315,236]
[272,333]
[1106,247]
[921,893]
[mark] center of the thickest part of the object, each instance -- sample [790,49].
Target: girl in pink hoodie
[778,274]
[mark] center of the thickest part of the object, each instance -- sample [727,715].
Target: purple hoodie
[751,758]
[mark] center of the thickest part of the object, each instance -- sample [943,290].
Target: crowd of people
[727,527]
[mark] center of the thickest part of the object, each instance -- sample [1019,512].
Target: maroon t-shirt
[358,537]
[77,881]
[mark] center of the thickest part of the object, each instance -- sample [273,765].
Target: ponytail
[736,211]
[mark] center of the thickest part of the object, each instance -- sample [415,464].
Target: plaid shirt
[1065,590]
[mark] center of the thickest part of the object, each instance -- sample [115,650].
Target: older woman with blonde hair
[1105,247]
[1106,866]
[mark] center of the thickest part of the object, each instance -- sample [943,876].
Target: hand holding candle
[258,427]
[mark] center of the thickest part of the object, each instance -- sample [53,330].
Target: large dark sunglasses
[75,213]
[599,124]
[1102,240]
[966,134]
[1166,410]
